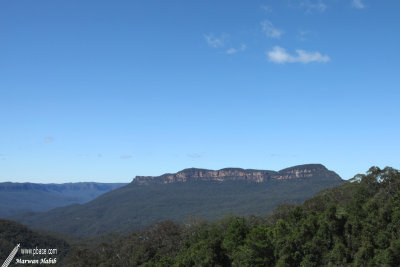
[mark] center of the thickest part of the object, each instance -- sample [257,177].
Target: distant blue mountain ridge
[25,197]
[191,193]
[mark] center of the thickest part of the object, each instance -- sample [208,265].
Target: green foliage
[356,224]
[12,233]
[257,249]
[234,236]
[131,208]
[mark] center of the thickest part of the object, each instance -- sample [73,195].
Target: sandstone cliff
[237,174]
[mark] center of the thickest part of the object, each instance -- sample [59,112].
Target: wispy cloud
[316,6]
[125,157]
[302,35]
[358,4]
[280,56]
[309,5]
[99,155]
[270,30]
[194,155]
[232,51]
[215,42]
[266,8]
[48,139]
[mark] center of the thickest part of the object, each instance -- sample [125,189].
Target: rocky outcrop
[237,174]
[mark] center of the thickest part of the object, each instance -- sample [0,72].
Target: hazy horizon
[83,181]
[104,91]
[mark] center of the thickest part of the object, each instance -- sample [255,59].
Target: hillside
[355,224]
[23,197]
[13,233]
[210,197]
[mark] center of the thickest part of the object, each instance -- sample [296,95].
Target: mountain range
[22,197]
[237,174]
[201,193]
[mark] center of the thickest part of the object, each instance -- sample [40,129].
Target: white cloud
[215,42]
[270,30]
[125,157]
[280,56]
[358,4]
[232,50]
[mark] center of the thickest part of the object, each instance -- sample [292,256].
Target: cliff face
[237,174]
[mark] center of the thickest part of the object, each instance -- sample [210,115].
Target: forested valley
[355,224]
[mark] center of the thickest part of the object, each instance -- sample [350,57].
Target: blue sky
[107,90]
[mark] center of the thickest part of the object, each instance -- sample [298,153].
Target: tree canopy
[355,224]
